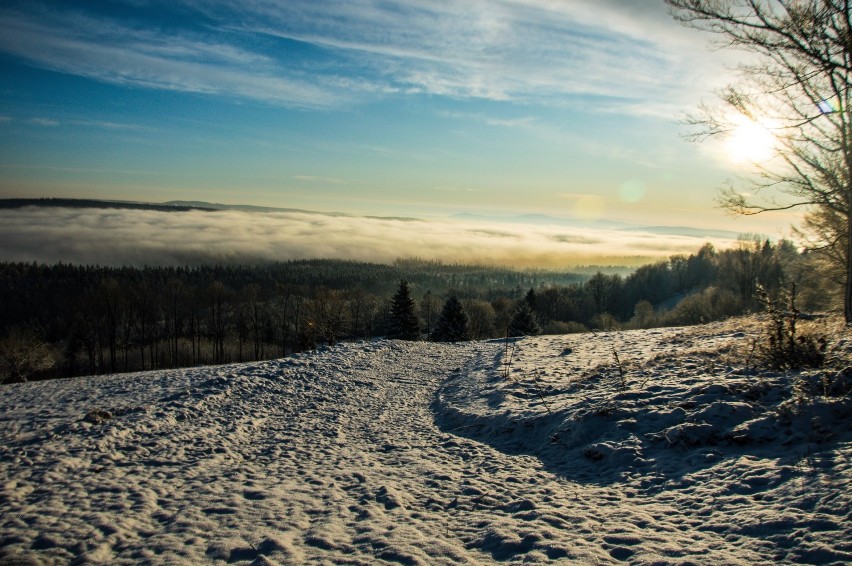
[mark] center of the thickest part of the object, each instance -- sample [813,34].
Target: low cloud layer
[133,237]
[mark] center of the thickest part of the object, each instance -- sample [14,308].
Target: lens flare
[829,105]
[632,191]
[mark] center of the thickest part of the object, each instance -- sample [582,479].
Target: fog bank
[116,237]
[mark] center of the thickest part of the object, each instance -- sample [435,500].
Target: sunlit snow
[419,453]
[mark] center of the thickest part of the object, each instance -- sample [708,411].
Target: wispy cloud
[124,237]
[496,50]
[626,58]
[112,52]
[319,179]
[525,122]
[114,126]
[46,122]
[451,189]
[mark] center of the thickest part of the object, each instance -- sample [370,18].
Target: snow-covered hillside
[418,453]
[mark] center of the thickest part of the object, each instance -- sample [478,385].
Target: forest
[64,320]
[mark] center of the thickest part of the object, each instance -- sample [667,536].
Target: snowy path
[344,456]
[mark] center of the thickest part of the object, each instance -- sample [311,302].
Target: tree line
[91,320]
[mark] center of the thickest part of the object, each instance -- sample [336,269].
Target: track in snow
[331,457]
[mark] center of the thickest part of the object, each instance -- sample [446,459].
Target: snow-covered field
[418,453]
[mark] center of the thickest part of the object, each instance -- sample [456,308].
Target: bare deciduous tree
[23,354]
[796,85]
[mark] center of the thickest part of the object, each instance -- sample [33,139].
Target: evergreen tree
[524,321]
[452,324]
[403,323]
[531,299]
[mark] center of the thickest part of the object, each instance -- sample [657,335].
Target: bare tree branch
[800,87]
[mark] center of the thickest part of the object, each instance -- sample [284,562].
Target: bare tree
[796,86]
[329,315]
[362,307]
[256,314]
[430,308]
[23,354]
[480,319]
[283,311]
[217,302]
[110,295]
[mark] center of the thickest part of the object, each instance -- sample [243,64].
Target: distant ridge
[685,231]
[251,208]
[545,220]
[197,204]
[173,206]
[94,203]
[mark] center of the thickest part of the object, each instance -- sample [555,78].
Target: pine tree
[452,324]
[403,323]
[524,321]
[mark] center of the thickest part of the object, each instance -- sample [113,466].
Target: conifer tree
[452,324]
[531,299]
[524,321]
[403,324]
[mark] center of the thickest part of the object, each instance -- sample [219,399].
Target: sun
[750,142]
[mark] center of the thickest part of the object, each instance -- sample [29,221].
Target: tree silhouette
[403,323]
[531,298]
[524,321]
[797,87]
[429,311]
[452,324]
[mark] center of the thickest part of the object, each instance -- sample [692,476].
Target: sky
[423,108]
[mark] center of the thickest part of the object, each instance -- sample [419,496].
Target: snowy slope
[420,453]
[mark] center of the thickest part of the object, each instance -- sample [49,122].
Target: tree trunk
[847,299]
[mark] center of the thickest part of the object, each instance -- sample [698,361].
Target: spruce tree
[452,324]
[531,299]
[524,321]
[403,323]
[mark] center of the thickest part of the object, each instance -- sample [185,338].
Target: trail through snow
[420,453]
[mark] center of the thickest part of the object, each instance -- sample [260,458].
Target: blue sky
[418,107]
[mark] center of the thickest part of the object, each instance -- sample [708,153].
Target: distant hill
[545,220]
[684,231]
[94,203]
[197,204]
[171,206]
[252,208]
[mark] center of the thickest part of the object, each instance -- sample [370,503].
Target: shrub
[23,354]
[783,347]
[560,327]
[710,304]
[605,321]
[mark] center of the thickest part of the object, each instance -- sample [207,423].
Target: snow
[660,446]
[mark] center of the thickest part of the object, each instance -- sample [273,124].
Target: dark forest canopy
[170,206]
[92,203]
[102,319]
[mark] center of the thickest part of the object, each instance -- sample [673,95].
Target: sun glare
[750,142]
